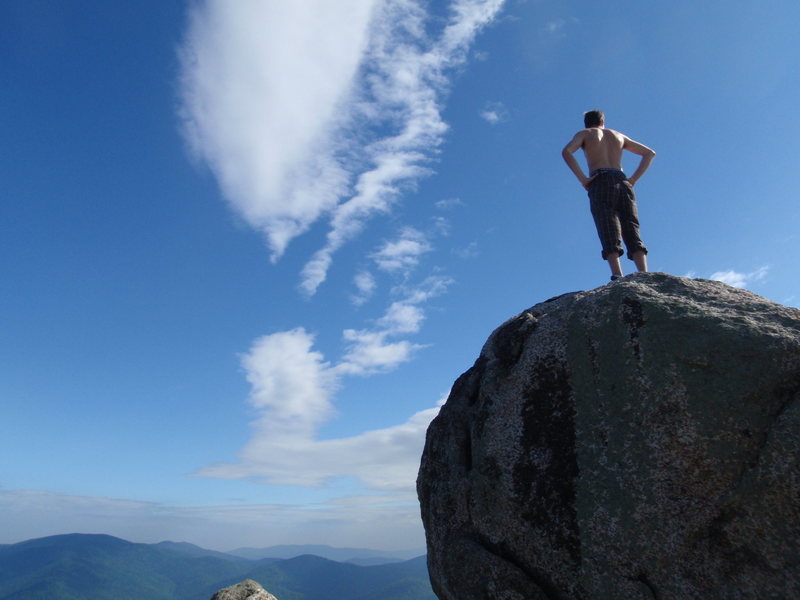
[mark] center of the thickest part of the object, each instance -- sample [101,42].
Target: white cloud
[403,253]
[263,90]
[405,79]
[431,287]
[441,226]
[283,101]
[373,350]
[491,117]
[311,110]
[292,386]
[557,27]
[365,287]
[370,352]
[740,280]
[449,203]
[468,251]
[494,113]
[382,459]
[402,317]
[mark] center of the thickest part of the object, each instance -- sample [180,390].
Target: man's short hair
[593,118]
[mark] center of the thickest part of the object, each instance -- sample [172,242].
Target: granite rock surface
[636,441]
[245,590]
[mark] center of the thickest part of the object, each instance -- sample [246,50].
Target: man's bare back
[603,150]
[602,147]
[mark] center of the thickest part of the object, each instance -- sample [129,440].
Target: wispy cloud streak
[404,81]
[377,349]
[303,109]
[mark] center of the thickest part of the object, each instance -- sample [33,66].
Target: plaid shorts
[613,205]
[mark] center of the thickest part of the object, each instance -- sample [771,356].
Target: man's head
[593,118]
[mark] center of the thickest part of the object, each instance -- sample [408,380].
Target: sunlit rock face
[246,590]
[640,440]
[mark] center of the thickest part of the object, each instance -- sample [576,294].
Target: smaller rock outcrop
[246,590]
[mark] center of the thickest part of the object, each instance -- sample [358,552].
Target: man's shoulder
[616,134]
[583,135]
[591,135]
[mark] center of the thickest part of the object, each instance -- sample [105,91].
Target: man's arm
[647,154]
[568,154]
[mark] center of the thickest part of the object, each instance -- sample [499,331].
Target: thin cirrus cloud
[310,109]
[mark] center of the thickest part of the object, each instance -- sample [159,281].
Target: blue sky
[248,246]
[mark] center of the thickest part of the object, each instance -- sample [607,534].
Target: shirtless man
[611,195]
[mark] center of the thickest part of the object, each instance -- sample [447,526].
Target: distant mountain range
[101,567]
[362,556]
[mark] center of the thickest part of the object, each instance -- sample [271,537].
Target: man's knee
[637,251]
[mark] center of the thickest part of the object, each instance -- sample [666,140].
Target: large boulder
[245,590]
[636,441]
